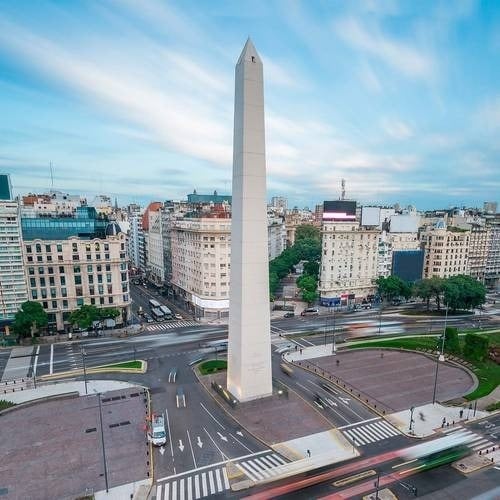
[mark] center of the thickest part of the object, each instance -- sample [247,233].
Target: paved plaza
[58,446]
[396,379]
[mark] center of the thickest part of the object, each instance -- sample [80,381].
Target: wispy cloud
[396,129]
[399,55]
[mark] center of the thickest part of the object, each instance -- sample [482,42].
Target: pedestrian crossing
[170,325]
[476,442]
[368,433]
[213,479]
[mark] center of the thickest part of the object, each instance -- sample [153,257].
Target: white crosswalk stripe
[207,481]
[370,432]
[168,326]
[477,442]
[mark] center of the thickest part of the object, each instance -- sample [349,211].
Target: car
[178,316]
[310,311]
[148,318]
[180,398]
[366,306]
[289,315]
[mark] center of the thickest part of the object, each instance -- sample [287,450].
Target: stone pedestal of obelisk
[249,373]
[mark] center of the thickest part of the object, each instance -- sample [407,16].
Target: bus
[153,303]
[157,314]
[167,312]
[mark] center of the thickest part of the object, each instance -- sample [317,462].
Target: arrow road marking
[239,433]
[198,442]
[181,446]
[344,400]
[224,438]
[162,450]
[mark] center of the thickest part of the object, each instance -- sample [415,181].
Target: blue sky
[135,99]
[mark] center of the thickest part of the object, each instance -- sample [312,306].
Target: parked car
[310,311]
[178,316]
[289,315]
[148,318]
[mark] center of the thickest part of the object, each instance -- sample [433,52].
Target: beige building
[348,262]
[479,244]
[446,250]
[201,251]
[65,274]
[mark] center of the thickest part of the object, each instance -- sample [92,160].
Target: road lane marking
[204,483]
[226,479]
[218,480]
[215,420]
[169,434]
[224,457]
[36,361]
[197,487]
[358,423]
[191,447]
[244,446]
[159,491]
[189,487]
[51,362]
[305,340]
[304,388]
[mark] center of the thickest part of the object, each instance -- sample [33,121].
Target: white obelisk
[249,373]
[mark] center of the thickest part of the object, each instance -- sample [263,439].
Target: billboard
[370,216]
[408,264]
[405,223]
[339,210]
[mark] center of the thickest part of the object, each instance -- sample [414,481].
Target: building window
[65,304]
[61,269]
[106,256]
[59,258]
[100,289]
[101,300]
[97,256]
[76,257]
[78,280]
[64,292]
[42,281]
[91,278]
[38,248]
[52,281]
[79,302]
[63,280]
[76,269]
[79,291]
[50,270]
[45,305]
[99,278]
[124,276]
[75,247]
[30,258]
[110,300]
[43,291]
[39,258]
[48,248]
[34,294]
[108,267]
[91,290]
[92,301]
[54,304]
[31,270]
[59,248]
[33,282]
[28,248]
[110,289]
[49,258]
[106,247]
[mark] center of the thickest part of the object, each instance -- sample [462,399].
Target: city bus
[157,314]
[153,303]
[167,312]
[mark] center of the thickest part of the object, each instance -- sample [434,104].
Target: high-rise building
[492,271]
[280,203]
[490,207]
[75,261]
[5,187]
[201,250]
[13,290]
[446,250]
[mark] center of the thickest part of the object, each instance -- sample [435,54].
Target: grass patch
[487,372]
[424,312]
[493,406]
[213,366]
[5,404]
[126,364]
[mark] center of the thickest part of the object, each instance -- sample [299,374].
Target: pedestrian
[381,354]
[461,413]
[338,361]
[308,453]
[301,352]
[443,423]
[296,346]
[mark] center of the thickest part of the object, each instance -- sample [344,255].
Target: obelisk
[249,354]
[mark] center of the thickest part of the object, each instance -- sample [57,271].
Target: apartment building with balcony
[74,261]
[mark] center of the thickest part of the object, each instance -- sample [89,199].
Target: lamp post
[377,485]
[82,351]
[380,317]
[334,346]
[412,409]
[440,356]
[102,444]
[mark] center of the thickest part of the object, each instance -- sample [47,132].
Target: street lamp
[102,443]
[334,346]
[82,351]
[440,356]
[412,409]
[380,317]
[377,485]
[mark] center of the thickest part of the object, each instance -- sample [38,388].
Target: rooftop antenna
[342,195]
[51,177]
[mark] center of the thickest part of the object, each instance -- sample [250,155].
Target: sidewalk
[429,418]
[311,352]
[138,490]
[18,364]
[44,391]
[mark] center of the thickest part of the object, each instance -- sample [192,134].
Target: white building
[349,262]
[279,203]
[201,251]
[51,204]
[155,264]
[276,236]
[13,290]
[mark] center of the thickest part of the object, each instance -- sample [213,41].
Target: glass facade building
[85,225]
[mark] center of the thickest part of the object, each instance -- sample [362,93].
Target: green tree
[463,292]
[476,347]
[29,319]
[109,313]
[393,286]
[307,231]
[423,290]
[311,268]
[436,285]
[84,316]
[451,342]
[309,296]
[307,282]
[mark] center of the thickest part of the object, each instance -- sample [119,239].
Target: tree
[393,286]
[451,342]
[463,292]
[423,290]
[436,285]
[85,316]
[311,268]
[29,319]
[476,347]
[108,313]
[309,296]
[306,282]
[307,231]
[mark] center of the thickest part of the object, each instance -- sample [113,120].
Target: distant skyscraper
[5,187]
[249,374]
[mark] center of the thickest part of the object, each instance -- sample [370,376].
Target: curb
[151,454]
[90,371]
[44,399]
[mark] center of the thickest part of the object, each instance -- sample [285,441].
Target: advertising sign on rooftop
[339,210]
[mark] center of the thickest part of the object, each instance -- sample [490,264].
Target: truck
[156,432]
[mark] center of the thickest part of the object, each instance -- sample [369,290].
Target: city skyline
[137,102]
